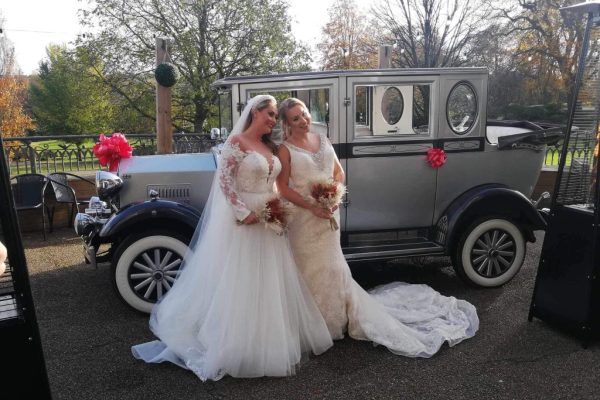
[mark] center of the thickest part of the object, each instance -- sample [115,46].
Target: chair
[65,194]
[28,193]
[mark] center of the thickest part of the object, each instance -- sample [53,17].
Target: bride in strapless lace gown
[410,320]
[239,306]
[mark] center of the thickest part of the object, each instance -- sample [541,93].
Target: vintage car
[382,123]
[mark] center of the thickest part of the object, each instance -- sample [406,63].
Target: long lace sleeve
[231,157]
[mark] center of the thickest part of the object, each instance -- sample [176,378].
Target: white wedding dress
[240,306]
[410,320]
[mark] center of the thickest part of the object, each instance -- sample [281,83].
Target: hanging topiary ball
[165,74]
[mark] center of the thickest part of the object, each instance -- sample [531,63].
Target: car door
[391,123]
[320,94]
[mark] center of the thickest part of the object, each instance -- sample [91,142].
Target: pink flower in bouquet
[436,157]
[110,150]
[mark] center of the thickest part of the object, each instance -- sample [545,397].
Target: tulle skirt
[239,308]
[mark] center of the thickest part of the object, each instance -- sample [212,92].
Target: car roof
[305,75]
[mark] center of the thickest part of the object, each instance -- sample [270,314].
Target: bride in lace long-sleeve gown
[410,320]
[239,306]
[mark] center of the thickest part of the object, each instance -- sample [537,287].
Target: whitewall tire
[145,268]
[490,252]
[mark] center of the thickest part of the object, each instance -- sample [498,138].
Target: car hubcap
[493,253]
[153,272]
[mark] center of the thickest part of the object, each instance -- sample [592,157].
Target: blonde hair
[284,107]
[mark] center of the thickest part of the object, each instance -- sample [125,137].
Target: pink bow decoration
[436,157]
[110,150]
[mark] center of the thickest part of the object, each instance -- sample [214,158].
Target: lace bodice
[308,166]
[244,172]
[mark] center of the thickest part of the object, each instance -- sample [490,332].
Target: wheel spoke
[488,269]
[497,267]
[143,284]
[150,289]
[479,251]
[157,258]
[504,261]
[166,259]
[171,273]
[481,244]
[172,265]
[502,239]
[494,237]
[506,253]
[140,276]
[148,261]
[487,239]
[482,265]
[166,284]
[142,267]
[505,245]
[480,258]
[159,288]
[169,278]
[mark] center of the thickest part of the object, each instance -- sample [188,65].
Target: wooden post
[385,56]
[164,130]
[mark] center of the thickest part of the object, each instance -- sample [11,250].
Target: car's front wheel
[145,266]
[490,252]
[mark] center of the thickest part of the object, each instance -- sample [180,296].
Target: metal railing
[46,154]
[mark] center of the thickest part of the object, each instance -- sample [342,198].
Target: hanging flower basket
[165,74]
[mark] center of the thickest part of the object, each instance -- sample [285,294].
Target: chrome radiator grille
[180,193]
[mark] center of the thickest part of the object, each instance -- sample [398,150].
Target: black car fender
[494,200]
[151,214]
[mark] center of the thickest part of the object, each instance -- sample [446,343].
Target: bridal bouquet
[328,194]
[275,215]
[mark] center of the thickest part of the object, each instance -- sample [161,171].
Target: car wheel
[146,266]
[490,252]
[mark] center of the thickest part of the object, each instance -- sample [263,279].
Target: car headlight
[107,184]
[83,224]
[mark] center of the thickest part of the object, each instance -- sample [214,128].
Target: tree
[14,121]
[348,41]
[7,53]
[431,33]
[211,39]
[66,98]
[547,44]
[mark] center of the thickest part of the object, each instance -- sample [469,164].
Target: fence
[46,154]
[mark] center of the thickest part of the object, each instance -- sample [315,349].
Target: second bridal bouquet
[328,193]
[275,215]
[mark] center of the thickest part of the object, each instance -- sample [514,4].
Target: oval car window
[392,105]
[461,109]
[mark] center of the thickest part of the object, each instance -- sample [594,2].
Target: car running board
[391,250]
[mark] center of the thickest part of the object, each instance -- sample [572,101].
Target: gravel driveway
[87,333]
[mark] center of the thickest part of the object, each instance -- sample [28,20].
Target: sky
[33,24]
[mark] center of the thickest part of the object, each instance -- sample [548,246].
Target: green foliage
[210,39]
[66,99]
[551,112]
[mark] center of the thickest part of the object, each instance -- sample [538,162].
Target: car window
[317,101]
[461,108]
[391,110]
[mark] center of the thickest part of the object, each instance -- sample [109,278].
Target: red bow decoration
[110,150]
[436,157]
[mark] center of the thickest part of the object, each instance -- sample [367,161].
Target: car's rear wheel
[145,266]
[490,252]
